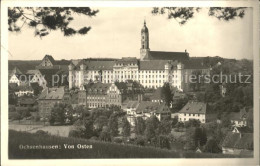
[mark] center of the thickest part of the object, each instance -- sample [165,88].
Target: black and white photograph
[130,82]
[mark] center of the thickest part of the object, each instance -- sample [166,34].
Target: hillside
[99,149]
[23,65]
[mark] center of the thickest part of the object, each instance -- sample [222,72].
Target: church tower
[144,51]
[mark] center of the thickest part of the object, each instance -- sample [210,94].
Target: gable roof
[194,108]
[96,64]
[238,141]
[161,55]
[51,59]
[52,93]
[148,106]
[132,104]
[153,65]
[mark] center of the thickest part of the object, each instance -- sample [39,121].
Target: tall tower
[144,51]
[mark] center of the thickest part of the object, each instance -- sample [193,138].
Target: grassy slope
[23,65]
[100,149]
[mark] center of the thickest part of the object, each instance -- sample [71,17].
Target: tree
[152,124]
[165,127]
[126,128]
[166,94]
[59,113]
[197,81]
[89,128]
[212,146]
[46,19]
[113,125]
[100,122]
[139,126]
[183,14]
[105,134]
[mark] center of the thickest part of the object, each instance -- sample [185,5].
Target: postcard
[129,82]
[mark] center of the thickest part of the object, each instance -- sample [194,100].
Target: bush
[41,132]
[15,116]
[140,141]
[118,140]
[74,133]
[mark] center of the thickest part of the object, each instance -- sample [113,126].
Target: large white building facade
[152,70]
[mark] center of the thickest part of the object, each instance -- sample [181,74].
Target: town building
[152,70]
[146,109]
[193,110]
[49,97]
[239,141]
[96,95]
[241,118]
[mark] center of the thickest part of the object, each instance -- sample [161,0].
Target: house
[24,90]
[242,118]
[48,62]
[238,141]
[95,95]
[49,97]
[193,110]
[157,95]
[146,109]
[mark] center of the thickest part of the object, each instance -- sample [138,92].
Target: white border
[4,83]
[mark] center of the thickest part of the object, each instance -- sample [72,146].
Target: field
[53,130]
[99,149]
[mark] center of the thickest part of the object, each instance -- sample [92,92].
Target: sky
[116,33]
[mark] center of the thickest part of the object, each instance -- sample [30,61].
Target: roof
[127,60]
[233,140]
[153,65]
[96,64]
[50,58]
[132,104]
[244,129]
[52,93]
[27,101]
[48,73]
[12,86]
[244,113]
[148,106]
[144,29]
[157,95]
[194,108]
[97,88]
[162,55]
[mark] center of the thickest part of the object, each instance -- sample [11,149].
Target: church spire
[144,42]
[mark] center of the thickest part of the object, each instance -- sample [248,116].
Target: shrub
[118,140]
[74,133]
[15,116]
[140,141]
[41,132]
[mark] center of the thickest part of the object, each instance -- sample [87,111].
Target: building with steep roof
[193,110]
[49,97]
[146,109]
[152,70]
[239,141]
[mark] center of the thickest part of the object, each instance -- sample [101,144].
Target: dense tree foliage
[167,94]
[184,14]
[139,126]
[151,124]
[47,19]
[60,113]
[126,127]
[113,125]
